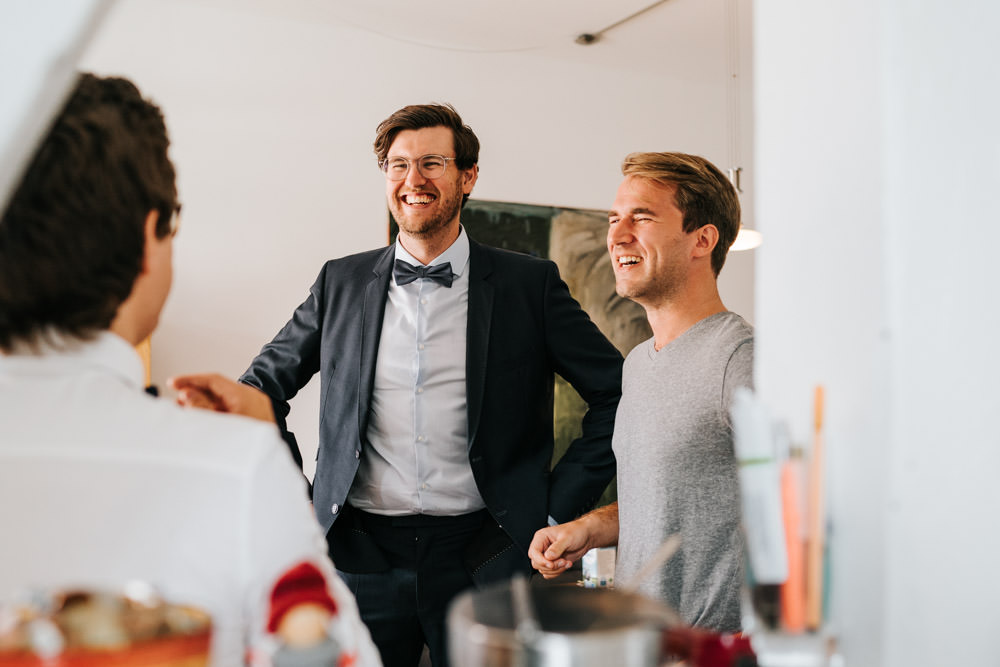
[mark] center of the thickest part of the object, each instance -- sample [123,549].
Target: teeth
[626,260]
[418,199]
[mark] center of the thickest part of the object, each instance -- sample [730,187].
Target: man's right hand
[212,391]
[555,548]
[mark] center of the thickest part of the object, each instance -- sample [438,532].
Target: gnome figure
[301,614]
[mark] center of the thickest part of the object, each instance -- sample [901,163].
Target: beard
[661,287]
[418,225]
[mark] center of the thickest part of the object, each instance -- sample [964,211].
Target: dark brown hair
[703,194]
[73,234]
[419,116]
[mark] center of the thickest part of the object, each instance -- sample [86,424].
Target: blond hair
[702,193]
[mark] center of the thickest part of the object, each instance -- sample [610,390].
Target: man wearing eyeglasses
[436,356]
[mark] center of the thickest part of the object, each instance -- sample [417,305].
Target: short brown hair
[419,116]
[73,235]
[702,193]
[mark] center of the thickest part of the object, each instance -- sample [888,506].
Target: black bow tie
[405,273]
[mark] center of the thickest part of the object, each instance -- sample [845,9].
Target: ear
[704,240]
[149,228]
[469,178]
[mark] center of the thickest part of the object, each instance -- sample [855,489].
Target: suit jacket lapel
[372,310]
[478,333]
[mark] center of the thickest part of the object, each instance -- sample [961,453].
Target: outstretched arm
[290,360]
[555,548]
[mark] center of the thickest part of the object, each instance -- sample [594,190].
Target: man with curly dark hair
[100,483]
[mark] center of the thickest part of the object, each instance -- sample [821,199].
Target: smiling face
[427,209]
[650,252]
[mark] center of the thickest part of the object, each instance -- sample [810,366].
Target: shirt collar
[457,253]
[59,355]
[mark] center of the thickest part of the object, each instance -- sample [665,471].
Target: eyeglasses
[429,166]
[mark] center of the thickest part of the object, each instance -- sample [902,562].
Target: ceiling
[665,36]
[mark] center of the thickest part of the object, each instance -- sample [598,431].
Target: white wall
[943,175]
[877,169]
[272,120]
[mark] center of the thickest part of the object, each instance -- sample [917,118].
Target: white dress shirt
[415,459]
[101,484]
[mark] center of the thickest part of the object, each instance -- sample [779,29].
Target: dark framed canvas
[575,239]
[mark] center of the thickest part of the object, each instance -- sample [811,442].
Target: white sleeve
[280,531]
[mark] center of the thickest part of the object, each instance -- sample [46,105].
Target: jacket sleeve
[289,361]
[593,367]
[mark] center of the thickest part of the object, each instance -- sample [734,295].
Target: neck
[129,322]
[426,247]
[124,329]
[673,317]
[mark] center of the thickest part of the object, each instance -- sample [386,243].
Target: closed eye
[431,162]
[397,166]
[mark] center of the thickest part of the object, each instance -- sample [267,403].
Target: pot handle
[525,619]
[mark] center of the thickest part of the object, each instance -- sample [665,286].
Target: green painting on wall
[575,240]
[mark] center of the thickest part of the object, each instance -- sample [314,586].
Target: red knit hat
[301,584]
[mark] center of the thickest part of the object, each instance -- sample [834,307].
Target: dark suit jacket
[523,325]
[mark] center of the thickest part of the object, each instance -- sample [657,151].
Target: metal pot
[513,624]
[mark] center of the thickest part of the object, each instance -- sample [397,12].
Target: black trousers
[405,605]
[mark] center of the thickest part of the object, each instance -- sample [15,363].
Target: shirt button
[420,390]
[420,438]
[357,453]
[420,347]
[423,301]
[335,508]
[423,486]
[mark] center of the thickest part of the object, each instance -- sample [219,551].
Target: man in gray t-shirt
[670,229]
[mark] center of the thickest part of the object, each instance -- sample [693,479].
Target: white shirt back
[101,484]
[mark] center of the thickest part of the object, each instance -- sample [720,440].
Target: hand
[554,549]
[211,391]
